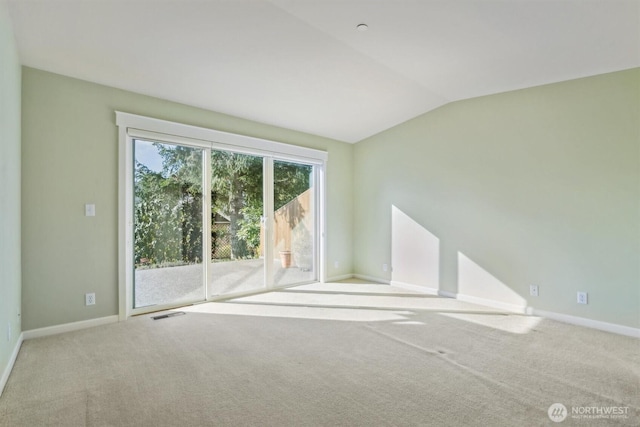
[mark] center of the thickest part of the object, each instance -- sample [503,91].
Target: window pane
[237,208]
[167,224]
[294,223]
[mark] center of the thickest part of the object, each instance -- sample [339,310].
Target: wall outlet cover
[90,299]
[90,210]
[583,298]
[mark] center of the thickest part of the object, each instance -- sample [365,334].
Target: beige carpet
[344,354]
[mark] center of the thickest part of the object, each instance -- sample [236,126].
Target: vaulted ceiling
[303,65]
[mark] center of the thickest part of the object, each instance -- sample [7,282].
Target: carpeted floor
[348,354]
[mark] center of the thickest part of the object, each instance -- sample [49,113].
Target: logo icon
[557,412]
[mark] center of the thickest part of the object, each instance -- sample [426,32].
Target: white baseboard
[12,360]
[372,279]
[521,309]
[416,288]
[589,323]
[565,318]
[339,278]
[461,297]
[68,327]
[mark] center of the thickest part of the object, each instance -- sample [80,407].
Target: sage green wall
[537,186]
[70,150]
[9,192]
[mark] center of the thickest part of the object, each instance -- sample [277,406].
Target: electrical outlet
[533,290]
[385,267]
[90,210]
[89,299]
[336,264]
[582,298]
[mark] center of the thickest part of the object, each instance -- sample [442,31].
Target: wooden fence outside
[293,230]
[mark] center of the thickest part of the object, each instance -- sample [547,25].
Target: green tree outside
[168,228]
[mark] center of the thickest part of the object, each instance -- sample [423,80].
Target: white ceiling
[301,64]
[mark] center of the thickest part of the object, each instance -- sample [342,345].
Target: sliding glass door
[205,214]
[209,223]
[168,206]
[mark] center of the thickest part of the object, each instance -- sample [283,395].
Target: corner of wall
[10,197]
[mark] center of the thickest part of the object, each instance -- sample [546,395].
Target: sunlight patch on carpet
[513,323]
[299,312]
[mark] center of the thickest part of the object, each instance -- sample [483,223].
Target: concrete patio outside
[158,286]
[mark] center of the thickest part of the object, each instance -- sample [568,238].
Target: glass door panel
[237,209]
[294,224]
[168,212]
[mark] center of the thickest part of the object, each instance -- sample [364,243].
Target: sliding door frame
[131,127]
